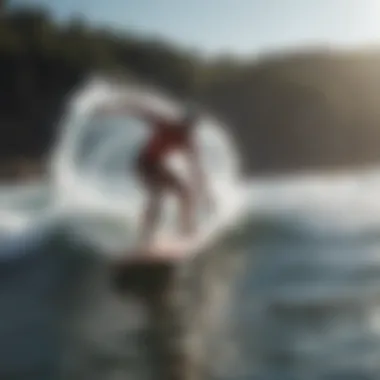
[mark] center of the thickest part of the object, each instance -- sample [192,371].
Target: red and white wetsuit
[166,138]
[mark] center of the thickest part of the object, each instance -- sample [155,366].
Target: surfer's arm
[132,110]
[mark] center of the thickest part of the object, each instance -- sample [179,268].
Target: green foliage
[299,109]
[34,33]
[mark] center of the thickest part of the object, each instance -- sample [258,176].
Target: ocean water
[292,289]
[303,304]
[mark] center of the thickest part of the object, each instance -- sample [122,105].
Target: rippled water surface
[302,303]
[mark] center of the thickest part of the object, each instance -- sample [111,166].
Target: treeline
[316,109]
[41,61]
[290,111]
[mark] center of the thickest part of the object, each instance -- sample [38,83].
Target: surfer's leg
[174,184]
[151,216]
[149,176]
[187,224]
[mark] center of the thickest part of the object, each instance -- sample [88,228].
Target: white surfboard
[174,248]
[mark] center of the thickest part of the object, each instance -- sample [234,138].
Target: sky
[243,27]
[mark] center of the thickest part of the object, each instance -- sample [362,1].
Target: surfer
[167,137]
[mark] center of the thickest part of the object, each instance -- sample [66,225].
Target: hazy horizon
[249,27]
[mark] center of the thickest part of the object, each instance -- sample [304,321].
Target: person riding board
[167,137]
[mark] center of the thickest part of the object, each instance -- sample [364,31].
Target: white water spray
[94,181]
